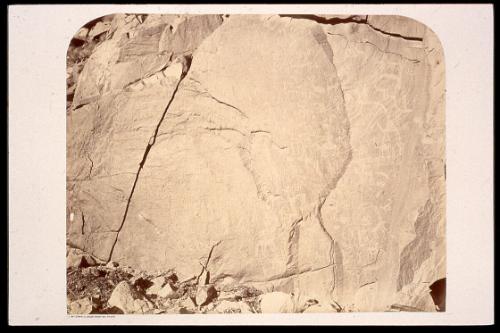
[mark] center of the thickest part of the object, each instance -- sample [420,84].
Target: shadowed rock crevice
[438,294]
[375,46]
[419,249]
[351,19]
[205,266]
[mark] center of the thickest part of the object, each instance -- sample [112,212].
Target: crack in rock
[374,45]
[91,166]
[292,264]
[206,93]
[150,144]
[83,224]
[290,275]
[204,267]
[351,19]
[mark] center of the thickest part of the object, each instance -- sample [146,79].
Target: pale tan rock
[78,258]
[387,211]
[250,155]
[127,300]
[232,307]
[187,33]
[112,264]
[168,292]
[157,285]
[107,137]
[142,306]
[398,26]
[82,33]
[300,154]
[187,303]
[100,28]
[319,308]
[205,294]
[81,307]
[277,302]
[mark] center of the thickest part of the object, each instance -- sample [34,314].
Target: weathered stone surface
[107,137]
[387,213]
[299,154]
[277,302]
[232,307]
[126,299]
[167,292]
[255,159]
[205,294]
[77,258]
[157,285]
[318,308]
[123,297]
[81,306]
[112,264]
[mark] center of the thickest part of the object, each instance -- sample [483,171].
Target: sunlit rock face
[293,153]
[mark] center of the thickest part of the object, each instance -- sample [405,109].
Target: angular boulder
[125,298]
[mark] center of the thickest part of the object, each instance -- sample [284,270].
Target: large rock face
[387,211]
[298,154]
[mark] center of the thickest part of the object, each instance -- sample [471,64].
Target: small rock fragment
[81,306]
[112,264]
[245,292]
[319,308]
[93,271]
[78,258]
[227,295]
[157,285]
[142,306]
[123,297]
[185,311]
[277,302]
[99,28]
[82,34]
[167,291]
[205,294]
[233,307]
[187,303]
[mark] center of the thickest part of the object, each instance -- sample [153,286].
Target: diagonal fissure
[351,19]
[150,144]
[205,267]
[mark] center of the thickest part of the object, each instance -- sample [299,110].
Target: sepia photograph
[255,164]
[250,164]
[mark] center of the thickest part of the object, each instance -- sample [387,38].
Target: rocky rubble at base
[100,288]
[95,287]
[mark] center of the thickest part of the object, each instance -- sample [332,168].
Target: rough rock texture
[296,153]
[233,307]
[388,210]
[82,306]
[77,258]
[125,298]
[120,290]
[277,302]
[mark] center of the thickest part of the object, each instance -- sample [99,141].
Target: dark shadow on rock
[438,294]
